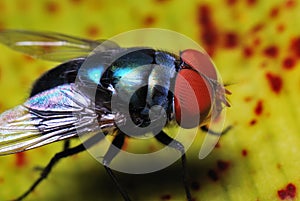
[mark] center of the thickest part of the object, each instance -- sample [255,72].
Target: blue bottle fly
[155,86]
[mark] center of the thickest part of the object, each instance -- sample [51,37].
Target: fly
[183,89]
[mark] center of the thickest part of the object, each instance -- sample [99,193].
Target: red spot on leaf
[258,108]
[271,51]
[213,175]
[282,194]
[166,197]
[288,193]
[247,52]
[204,16]
[21,159]
[289,63]
[231,2]
[291,190]
[231,40]
[264,64]
[290,3]
[295,46]
[223,165]
[244,152]
[257,28]
[280,28]
[256,42]
[210,37]
[52,7]
[279,166]
[274,12]
[252,122]
[251,2]
[149,20]
[93,31]
[275,82]
[248,99]
[209,34]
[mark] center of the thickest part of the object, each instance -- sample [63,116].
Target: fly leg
[113,150]
[66,144]
[63,154]
[206,129]
[168,141]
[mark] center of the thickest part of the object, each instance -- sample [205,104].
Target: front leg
[206,129]
[168,141]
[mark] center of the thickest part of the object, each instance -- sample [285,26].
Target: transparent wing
[56,114]
[51,46]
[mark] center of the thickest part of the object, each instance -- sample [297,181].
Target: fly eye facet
[200,62]
[192,98]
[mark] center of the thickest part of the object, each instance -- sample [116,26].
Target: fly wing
[56,114]
[52,46]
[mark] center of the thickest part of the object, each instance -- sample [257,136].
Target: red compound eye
[192,98]
[200,62]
